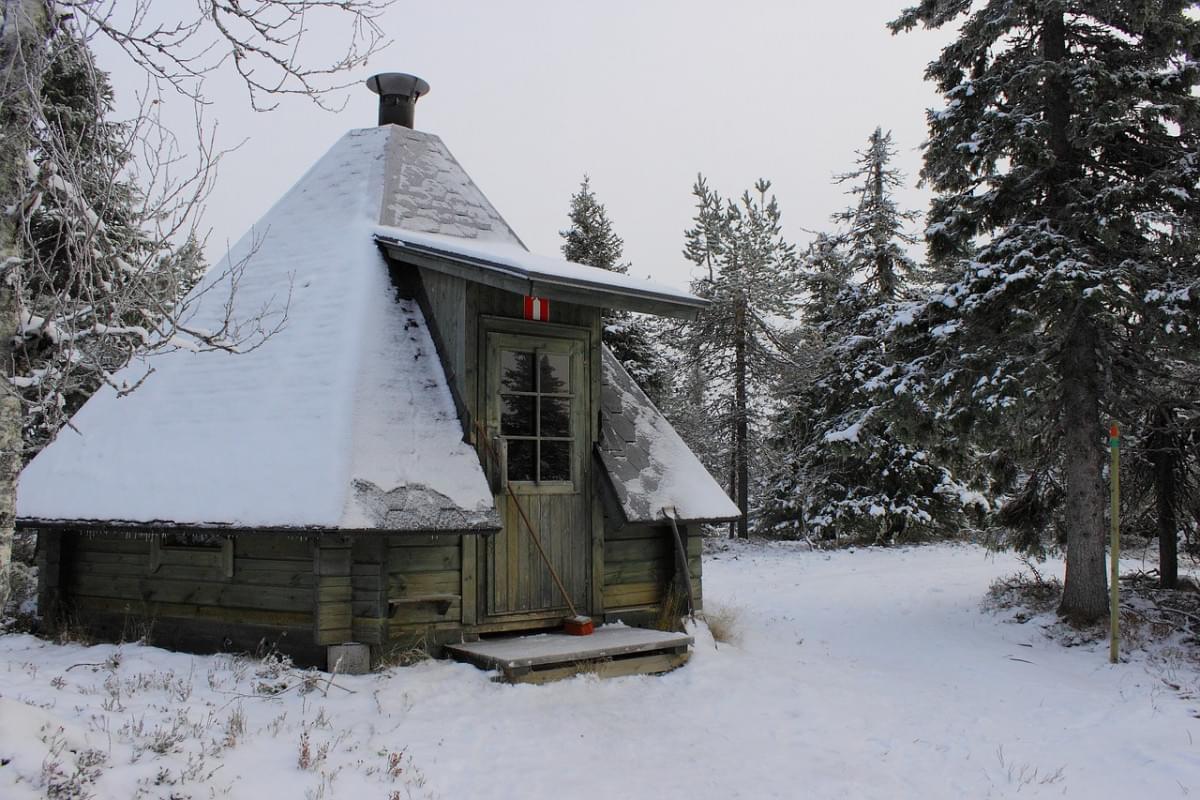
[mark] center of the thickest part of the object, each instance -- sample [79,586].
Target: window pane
[556,417]
[516,416]
[520,459]
[556,373]
[556,461]
[516,371]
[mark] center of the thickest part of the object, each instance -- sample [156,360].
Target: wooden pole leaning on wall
[1114,550]
[681,558]
[494,457]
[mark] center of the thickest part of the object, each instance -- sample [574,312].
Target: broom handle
[487,443]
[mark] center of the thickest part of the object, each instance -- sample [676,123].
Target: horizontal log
[333,617]
[424,559]
[423,583]
[333,593]
[364,584]
[332,561]
[90,557]
[83,543]
[651,532]
[368,608]
[248,616]
[273,547]
[368,630]
[632,594]
[426,540]
[636,550]
[166,590]
[423,613]
[251,563]
[616,572]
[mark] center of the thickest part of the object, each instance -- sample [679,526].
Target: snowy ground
[871,674]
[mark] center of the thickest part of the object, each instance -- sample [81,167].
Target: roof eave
[531,282]
[133,528]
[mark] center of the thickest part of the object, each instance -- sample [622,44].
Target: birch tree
[95,289]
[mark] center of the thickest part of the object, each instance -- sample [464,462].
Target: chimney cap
[398,83]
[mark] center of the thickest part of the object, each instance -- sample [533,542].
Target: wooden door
[537,403]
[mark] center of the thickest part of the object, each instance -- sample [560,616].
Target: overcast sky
[640,95]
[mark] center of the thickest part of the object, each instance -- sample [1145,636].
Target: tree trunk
[22,50]
[1163,458]
[740,421]
[1085,590]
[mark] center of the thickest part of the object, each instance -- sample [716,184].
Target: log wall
[185,598]
[640,567]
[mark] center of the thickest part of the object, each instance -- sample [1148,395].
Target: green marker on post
[1114,612]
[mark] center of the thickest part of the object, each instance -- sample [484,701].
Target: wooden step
[611,651]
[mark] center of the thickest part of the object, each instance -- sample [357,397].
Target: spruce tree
[749,272]
[876,239]
[591,240]
[1066,155]
[855,460]
[88,249]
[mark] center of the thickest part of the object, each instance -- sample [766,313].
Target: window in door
[535,415]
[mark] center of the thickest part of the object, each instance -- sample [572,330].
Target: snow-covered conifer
[591,240]
[749,272]
[95,282]
[1066,158]
[855,456]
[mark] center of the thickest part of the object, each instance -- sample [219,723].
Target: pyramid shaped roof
[259,439]
[343,418]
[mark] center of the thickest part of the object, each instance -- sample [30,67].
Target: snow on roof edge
[522,264]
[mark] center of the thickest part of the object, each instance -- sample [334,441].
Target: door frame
[584,483]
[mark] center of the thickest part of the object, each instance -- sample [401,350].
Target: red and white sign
[537,308]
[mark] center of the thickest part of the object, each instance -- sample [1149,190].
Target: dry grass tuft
[406,654]
[724,622]
[671,610]
[1029,593]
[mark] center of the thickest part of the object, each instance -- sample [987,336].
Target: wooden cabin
[364,476]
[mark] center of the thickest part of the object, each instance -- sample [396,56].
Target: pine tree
[591,240]
[854,460]
[1066,155]
[749,272]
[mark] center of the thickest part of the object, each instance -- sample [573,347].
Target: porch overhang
[515,270]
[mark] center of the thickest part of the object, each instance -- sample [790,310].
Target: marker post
[1114,549]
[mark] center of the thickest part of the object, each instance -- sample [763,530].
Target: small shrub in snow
[1029,595]
[85,768]
[1026,775]
[235,726]
[304,759]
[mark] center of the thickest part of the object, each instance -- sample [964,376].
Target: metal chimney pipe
[398,94]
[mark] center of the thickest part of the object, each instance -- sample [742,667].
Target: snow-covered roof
[260,439]
[507,264]
[343,419]
[649,466]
